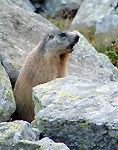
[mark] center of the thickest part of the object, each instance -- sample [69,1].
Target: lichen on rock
[7,104]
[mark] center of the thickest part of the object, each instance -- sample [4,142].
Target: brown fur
[40,66]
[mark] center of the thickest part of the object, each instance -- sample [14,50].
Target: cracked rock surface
[78,112]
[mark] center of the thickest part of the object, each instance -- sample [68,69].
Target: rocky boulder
[89,13]
[106,31]
[24,4]
[48,144]
[87,63]
[7,102]
[19,135]
[78,112]
[20,32]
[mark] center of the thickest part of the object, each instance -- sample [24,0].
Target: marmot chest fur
[46,62]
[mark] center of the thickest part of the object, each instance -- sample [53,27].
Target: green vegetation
[112,52]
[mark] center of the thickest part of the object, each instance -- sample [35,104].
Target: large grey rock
[48,144]
[87,63]
[24,4]
[20,135]
[78,112]
[7,102]
[106,31]
[53,7]
[13,134]
[88,14]
[20,32]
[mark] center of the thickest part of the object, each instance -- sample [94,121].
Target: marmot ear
[50,36]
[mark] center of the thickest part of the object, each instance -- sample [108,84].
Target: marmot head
[59,42]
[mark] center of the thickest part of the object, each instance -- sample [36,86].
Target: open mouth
[71,45]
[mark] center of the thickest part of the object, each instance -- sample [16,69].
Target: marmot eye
[51,36]
[62,34]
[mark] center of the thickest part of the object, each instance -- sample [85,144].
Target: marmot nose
[76,38]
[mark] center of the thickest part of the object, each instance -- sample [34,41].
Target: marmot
[46,62]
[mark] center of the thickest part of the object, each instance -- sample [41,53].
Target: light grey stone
[12,134]
[20,32]
[93,9]
[7,102]
[106,31]
[88,14]
[24,4]
[104,24]
[48,144]
[78,112]
[19,135]
[87,63]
